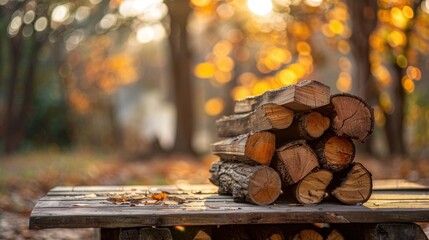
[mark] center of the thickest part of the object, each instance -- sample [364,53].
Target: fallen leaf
[159,196]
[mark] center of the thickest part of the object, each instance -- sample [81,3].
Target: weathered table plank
[83,207]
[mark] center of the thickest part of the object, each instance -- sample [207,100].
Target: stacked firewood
[297,140]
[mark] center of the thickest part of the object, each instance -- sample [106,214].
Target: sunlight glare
[425,6]
[82,13]
[260,7]
[313,3]
[41,24]
[145,34]
[214,106]
[150,33]
[204,70]
[133,8]
[108,21]
[60,13]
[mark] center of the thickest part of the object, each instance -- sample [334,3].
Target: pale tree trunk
[364,21]
[179,11]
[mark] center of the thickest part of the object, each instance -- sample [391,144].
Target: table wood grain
[86,207]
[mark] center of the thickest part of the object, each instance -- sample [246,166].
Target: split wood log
[352,117]
[353,185]
[308,126]
[259,147]
[191,232]
[335,153]
[269,116]
[202,235]
[255,183]
[312,188]
[308,234]
[335,235]
[294,161]
[303,96]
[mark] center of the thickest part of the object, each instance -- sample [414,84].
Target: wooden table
[392,201]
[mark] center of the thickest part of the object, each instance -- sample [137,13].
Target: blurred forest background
[85,84]
[145,76]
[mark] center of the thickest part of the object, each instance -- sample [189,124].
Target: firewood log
[258,147]
[308,234]
[303,96]
[335,153]
[351,116]
[294,161]
[335,235]
[353,185]
[266,117]
[308,126]
[312,188]
[255,183]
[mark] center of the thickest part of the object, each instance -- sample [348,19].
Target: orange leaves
[135,198]
[97,69]
[159,196]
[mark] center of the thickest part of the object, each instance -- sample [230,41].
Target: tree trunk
[364,21]
[394,126]
[10,139]
[180,63]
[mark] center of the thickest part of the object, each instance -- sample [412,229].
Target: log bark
[308,126]
[267,117]
[335,153]
[353,117]
[256,184]
[303,96]
[294,161]
[308,234]
[258,147]
[312,188]
[354,185]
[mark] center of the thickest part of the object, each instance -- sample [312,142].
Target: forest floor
[25,178]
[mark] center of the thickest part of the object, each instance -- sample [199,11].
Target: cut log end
[253,183]
[335,235]
[312,188]
[260,147]
[354,117]
[315,124]
[308,234]
[294,161]
[264,186]
[355,187]
[338,153]
[279,116]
